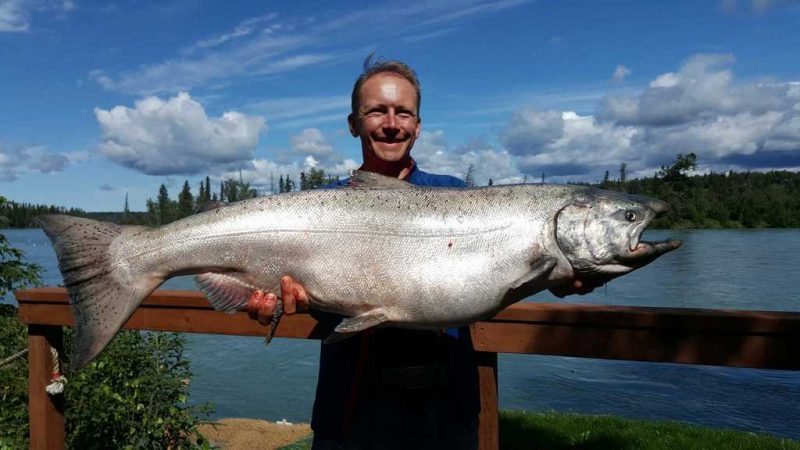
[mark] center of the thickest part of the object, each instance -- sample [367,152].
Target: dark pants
[423,420]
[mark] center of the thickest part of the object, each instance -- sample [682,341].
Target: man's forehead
[387,87]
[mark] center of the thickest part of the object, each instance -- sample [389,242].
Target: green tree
[185,201]
[14,272]
[678,169]
[470,178]
[166,207]
[623,177]
[316,179]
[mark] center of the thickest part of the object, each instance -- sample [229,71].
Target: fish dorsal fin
[211,205]
[372,180]
[227,292]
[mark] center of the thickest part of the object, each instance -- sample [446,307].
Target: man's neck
[399,169]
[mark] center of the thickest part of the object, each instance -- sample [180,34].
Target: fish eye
[630,216]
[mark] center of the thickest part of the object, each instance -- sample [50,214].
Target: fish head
[600,233]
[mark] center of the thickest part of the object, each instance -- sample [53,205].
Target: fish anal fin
[353,325]
[227,292]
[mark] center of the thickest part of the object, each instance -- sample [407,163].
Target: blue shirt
[340,381]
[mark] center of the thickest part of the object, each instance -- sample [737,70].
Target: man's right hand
[261,305]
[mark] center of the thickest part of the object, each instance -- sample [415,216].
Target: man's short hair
[374,66]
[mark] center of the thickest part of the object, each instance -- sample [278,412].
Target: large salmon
[383,252]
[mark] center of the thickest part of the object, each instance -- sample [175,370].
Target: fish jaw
[600,233]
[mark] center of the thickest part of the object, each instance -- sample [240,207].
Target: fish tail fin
[101,300]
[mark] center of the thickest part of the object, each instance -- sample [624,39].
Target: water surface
[739,269]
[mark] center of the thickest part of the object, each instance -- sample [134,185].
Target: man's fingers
[287,295]
[255,302]
[301,297]
[266,311]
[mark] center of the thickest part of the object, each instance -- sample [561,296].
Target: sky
[99,100]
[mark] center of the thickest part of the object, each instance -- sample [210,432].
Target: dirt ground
[241,434]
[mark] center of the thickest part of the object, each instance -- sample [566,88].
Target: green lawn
[558,431]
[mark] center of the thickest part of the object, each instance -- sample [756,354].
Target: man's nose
[391,120]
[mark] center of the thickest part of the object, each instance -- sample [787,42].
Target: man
[390,388]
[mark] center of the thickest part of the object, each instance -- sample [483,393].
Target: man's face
[387,119]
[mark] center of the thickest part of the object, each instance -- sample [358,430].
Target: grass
[559,431]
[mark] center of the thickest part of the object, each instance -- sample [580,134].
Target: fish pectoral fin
[227,292]
[538,269]
[352,325]
[372,180]
[531,282]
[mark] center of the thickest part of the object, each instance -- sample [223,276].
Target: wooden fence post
[46,412]
[489,421]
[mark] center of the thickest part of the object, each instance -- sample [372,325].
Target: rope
[57,381]
[13,357]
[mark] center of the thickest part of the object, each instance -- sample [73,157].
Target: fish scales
[382,253]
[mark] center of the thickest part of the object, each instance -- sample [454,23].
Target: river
[739,269]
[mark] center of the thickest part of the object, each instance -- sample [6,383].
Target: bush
[13,382]
[135,396]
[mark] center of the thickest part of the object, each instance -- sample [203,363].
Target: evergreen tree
[185,201]
[200,200]
[125,210]
[469,179]
[165,206]
[491,183]
[316,179]
[303,182]
[622,175]
[281,185]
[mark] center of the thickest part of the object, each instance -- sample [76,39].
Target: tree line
[712,200]
[717,199]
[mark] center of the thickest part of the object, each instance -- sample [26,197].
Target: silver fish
[382,252]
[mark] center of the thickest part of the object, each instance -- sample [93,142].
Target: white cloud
[267,45]
[17,161]
[311,142]
[13,18]
[620,73]
[433,154]
[699,108]
[176,136]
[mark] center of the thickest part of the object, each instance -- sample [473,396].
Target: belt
[411,378]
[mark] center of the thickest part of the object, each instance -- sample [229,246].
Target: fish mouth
[643,252]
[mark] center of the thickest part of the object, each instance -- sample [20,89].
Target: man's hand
[261,305]
[579,287]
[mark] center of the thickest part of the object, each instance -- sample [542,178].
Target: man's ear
[418,128]
[351,123]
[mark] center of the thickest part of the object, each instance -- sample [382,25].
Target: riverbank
[245,434]
[529,430]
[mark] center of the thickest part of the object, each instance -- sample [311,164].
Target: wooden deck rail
[692,336]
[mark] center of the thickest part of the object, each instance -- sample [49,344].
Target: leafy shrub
[13,381]
[135,396]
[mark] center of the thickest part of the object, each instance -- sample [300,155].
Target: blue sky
[100,99]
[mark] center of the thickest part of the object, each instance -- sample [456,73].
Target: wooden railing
[692,336]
